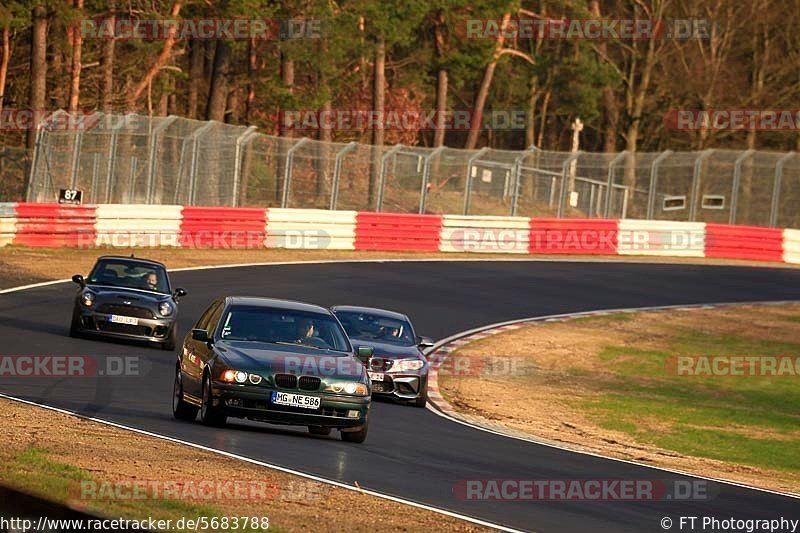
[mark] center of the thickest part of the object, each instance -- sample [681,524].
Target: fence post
[95,172]
[516,174]
[112,156]
[134,168]
[565,172]
[195,137]
[698,164]
[468,186]
[651,194]
[76,152]
[287,172]
[382,174]
[737,178]
[151,159]
[776,188]
[426,174]
[36,155]
[241,141]
[337,170]
[610,184]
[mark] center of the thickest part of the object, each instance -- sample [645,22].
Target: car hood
[261,358]
[107,294]
[388,350]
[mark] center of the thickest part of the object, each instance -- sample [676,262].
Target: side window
[205,320]
[215,316]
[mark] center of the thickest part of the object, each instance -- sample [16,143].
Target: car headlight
[407,365]
[87,299]
[165,308]
[352,388]
[237,376]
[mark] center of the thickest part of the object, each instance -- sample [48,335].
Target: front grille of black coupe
[286,381]
[309,383]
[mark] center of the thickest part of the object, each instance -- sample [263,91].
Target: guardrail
[124,226]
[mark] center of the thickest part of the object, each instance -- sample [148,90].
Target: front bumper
[152,330]
[253,402]
[401,386]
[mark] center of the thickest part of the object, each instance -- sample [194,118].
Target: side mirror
[77,278]
[364,353]
[179,292]
[425,342]
[200,335]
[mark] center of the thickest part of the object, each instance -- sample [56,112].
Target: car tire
[75,324]
[180,409]
[356,436]
[210,415]
[422,400]
[169,344]
[319,430]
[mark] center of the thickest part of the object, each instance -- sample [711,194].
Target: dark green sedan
[273,361]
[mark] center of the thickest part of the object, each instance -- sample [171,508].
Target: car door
[196,353]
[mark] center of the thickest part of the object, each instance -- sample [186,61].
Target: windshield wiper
[285,343]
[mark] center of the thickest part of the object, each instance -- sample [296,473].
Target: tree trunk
[38,69]
[6,51]
[287,78]
[483,91]
[197,53]
[441,81]
[75,73]
[252,69]
[107,67]
[378,108]
[218,91]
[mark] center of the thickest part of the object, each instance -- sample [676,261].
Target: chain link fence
[172,160]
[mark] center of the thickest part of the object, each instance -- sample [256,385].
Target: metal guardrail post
[241,141]
[651,195]
[287,172]
[112,156]
[737,179]
[517,176]
[195,137]
[76,152]
[698,165]
[426,174]
[337,171]
[155,135]
[565,166]
[776,189]
[610,184]
[468,186]
[382,174]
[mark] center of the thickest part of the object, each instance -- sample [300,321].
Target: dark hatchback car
[398,368]
[126,298]
[273,361]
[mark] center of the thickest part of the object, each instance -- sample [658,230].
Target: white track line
[533,440]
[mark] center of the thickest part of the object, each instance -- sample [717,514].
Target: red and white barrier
[124,226]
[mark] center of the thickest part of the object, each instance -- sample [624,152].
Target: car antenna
[132,256]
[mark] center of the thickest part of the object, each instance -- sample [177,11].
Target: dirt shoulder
[22,265]
[57,453]
[611,385]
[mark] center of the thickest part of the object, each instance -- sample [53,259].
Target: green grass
[749,420]
[34,472]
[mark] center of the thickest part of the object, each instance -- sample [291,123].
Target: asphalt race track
[410,453]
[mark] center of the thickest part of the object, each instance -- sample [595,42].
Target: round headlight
[87,299]
[255,379]
[165,308]
[337,387]
[240,377]
[350,388]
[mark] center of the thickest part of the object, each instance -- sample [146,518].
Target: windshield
[130,275]
[368,327]
[281,326]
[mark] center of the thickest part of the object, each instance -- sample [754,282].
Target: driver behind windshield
[151,282]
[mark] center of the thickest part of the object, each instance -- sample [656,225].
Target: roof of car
[369,310]
[275,303]
[132,259]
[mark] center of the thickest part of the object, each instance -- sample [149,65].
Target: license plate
[119,319]
[376,376]
[295,400]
